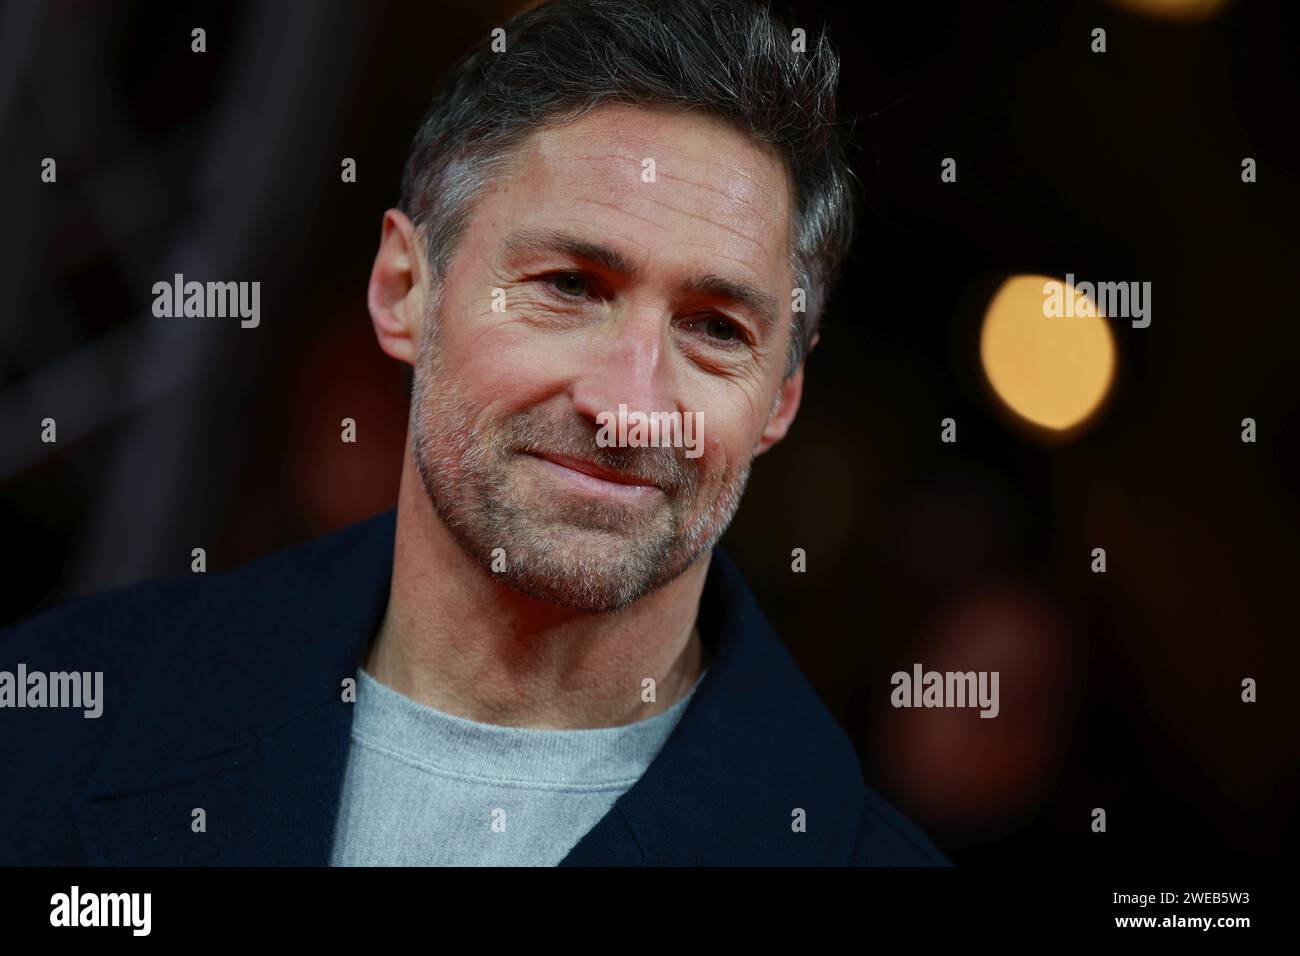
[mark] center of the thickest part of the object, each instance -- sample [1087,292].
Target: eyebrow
[765,307]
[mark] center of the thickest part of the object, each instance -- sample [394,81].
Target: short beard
[467,466]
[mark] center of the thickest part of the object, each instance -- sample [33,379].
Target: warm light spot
[1190,11]
[1051,370]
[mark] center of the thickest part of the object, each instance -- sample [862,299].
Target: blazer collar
[246,722]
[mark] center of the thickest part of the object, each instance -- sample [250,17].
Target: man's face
[664,292]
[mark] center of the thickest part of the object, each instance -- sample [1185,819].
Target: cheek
[500,362]
[732,425]
[723,448]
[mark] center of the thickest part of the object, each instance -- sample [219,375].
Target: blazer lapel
[244,727]
[754,749]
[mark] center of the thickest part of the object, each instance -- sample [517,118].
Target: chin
[594,597]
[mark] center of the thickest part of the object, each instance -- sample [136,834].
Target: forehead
[664,186]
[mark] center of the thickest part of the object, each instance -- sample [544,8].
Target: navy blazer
[224,692]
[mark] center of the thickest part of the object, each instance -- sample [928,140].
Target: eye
[573,285]
[718,329]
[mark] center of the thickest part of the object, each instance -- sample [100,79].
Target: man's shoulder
[110,628]
[126,631]
[823,751]
[170,648]
[131,620]
[98,646]
[796,743]
[872,830]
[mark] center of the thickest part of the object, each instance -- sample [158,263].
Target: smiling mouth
[592,477]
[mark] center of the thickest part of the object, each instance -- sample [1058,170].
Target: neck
[456,639]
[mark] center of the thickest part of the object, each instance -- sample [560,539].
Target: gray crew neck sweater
[426,788]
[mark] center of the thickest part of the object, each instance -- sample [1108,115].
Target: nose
[628,362]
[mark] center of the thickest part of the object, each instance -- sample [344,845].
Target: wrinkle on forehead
[712,220]
[716,175]
[612,137]
[736,186]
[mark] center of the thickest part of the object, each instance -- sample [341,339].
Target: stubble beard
[580,553]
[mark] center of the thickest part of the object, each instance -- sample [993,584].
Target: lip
[591,475]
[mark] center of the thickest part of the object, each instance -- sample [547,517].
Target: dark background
[1119,691]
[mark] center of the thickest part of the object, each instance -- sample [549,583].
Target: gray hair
[731,58]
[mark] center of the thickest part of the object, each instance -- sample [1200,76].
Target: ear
[784,407]
[397,288]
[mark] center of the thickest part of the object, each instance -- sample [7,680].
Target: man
[541,658]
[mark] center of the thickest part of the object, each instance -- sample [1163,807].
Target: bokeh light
[1051,371]
[1190,11]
